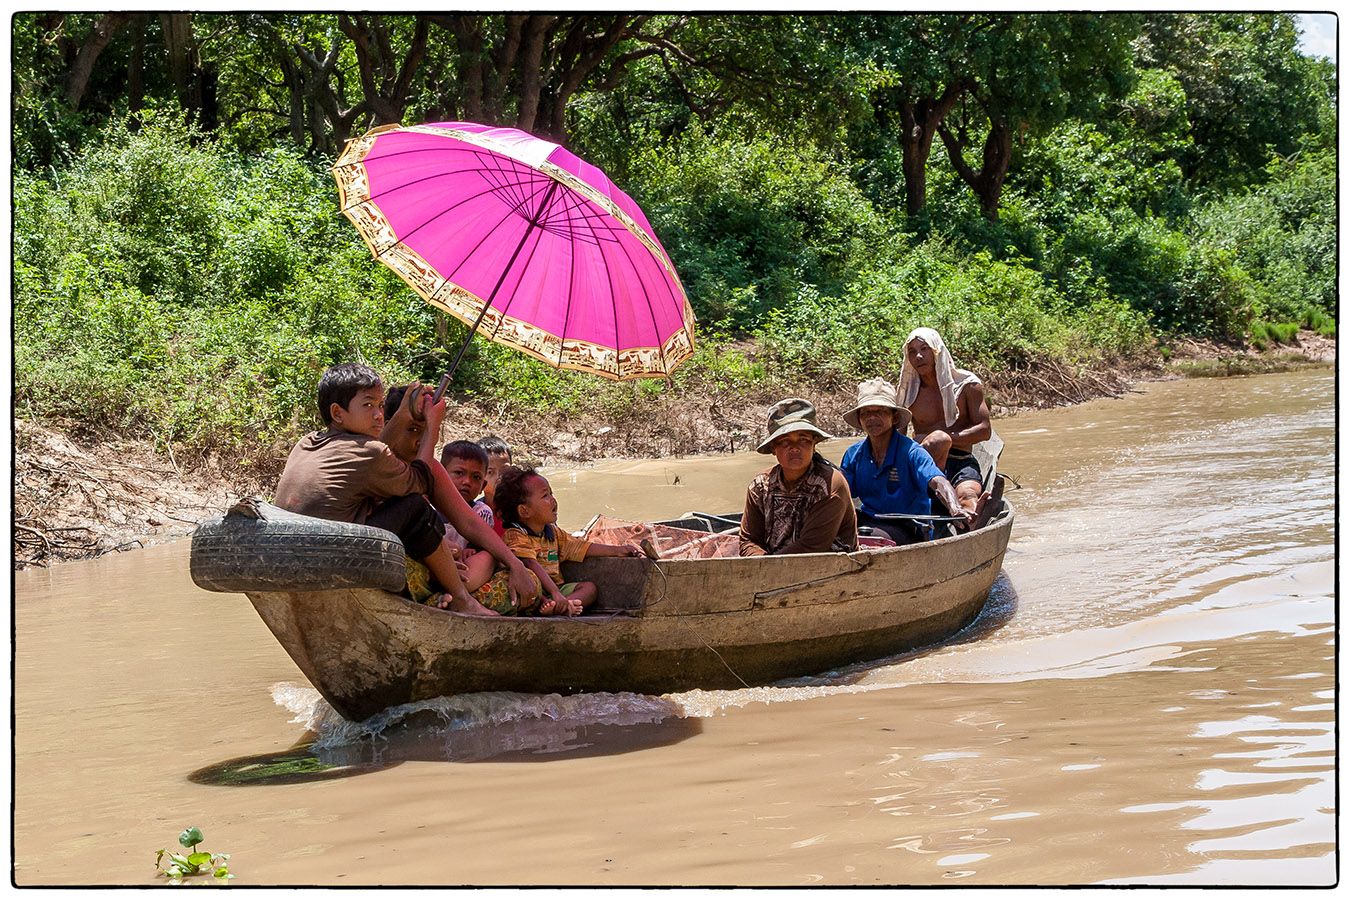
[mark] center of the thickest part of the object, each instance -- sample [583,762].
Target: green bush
[747,223]
[1320,322]
[1283,234]
[170,289]
[994,315]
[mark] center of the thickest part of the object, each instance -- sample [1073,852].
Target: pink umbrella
[521,239]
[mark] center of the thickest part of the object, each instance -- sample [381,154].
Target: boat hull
[659,627]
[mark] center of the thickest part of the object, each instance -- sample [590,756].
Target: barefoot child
[525,503]
[348,474]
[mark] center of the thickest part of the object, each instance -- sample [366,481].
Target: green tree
[1249,92]
[1026,74]
[915,69]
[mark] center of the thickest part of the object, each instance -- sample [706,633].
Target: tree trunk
[504,63]
[136,66]
[988,182]
[78,79]
[386,90]
[205,94]
[177,28]
[997,160]
[472,60]
[324,99]
[919,121]
[915,146]
[531,74]
[295,94]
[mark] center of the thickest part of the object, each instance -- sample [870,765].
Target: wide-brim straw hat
[878,392]
[787,416]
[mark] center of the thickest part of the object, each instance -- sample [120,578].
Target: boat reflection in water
[488,727]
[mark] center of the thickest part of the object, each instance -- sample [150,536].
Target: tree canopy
[1047,188]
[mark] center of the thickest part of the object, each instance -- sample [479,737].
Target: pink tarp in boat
[670,542]
[684,543]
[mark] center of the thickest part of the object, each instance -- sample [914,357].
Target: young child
[499,456]
[525,502]
[347,474]
[466,464]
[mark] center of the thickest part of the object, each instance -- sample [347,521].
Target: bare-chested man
[950,414]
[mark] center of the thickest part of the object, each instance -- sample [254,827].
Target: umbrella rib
[571,289]
[404,237]
[492,161]
[614,310]
[533,227]
[496,188]
[487,233]
[526,180]
[506,308]
[472,170]
[591,217]
[656,329]
[495,165]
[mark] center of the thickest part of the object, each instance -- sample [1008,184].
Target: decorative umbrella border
[635,362]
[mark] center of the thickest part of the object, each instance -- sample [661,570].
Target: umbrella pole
[533,224]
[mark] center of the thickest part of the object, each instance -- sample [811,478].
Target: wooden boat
[659,626]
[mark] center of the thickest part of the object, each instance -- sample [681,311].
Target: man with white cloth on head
[950,413]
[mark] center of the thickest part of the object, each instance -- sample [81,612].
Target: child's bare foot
[466,605]
[555,607]
[573,606]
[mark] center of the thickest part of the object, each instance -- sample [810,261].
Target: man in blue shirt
[888,472]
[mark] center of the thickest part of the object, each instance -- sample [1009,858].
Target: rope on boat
[722,661]
[665,590]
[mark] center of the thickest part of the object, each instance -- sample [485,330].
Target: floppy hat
[877,392]
[786,416]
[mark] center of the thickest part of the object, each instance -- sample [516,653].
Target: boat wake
[498,726]
[491,724]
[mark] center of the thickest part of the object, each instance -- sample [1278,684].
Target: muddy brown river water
[1148,698]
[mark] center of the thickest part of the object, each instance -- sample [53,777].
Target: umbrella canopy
[521,239]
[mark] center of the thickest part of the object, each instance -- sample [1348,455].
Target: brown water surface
[1147,698]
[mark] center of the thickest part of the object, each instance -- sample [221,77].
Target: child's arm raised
[449,501]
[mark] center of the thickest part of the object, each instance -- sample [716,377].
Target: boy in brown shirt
[347,474]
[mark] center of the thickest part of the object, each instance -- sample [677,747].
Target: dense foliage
[1066,188]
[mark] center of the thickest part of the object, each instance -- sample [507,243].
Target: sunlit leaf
[191,836]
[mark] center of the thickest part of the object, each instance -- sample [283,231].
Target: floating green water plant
[198,862]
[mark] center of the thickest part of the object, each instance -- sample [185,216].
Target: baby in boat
[525,503]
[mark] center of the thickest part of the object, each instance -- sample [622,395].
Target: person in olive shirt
[802,504]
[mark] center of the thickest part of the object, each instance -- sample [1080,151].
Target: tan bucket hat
[878,392]
[786,416]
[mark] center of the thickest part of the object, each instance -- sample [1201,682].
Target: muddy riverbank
[80,493]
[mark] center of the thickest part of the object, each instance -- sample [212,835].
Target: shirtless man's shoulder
[970,408]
